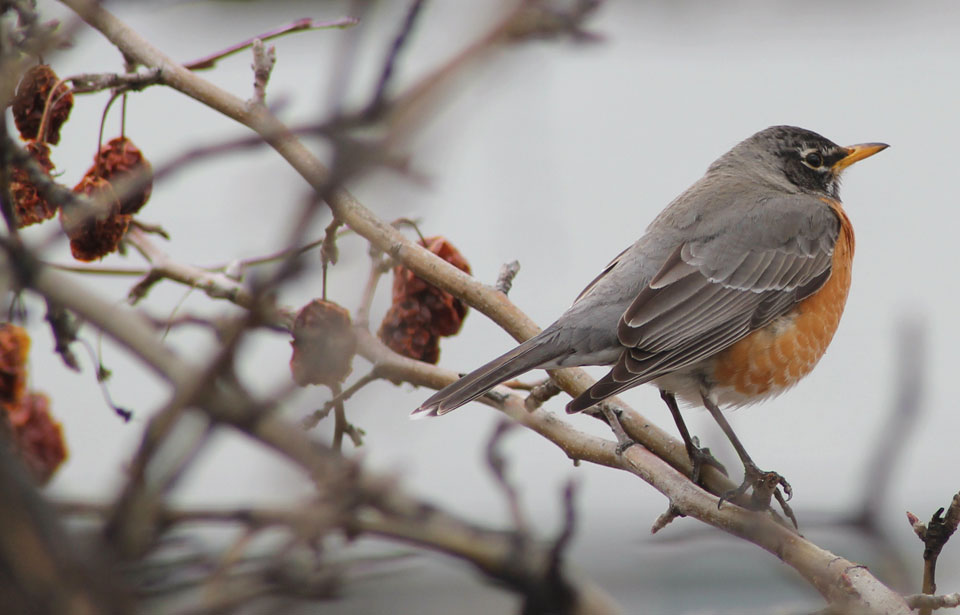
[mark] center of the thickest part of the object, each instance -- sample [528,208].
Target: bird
[729,297]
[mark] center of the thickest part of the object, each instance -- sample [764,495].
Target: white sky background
[558,155]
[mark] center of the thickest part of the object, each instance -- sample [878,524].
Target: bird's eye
[813,160]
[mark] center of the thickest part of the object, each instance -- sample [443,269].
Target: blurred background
[558,155]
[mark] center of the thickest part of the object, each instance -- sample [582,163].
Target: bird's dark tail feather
[531,354]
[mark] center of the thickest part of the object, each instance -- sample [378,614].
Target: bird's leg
[765,484]
[612,416]
[698,456]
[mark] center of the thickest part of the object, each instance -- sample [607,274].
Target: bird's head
[796,158]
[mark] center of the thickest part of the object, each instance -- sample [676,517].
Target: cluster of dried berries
[94,234]
[29,206]
[421,313]
[31,111]
[43,103]
[37,437]
[323,344]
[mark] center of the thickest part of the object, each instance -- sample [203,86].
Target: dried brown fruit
[421,313]
[38,437]
[406,330]
[14,348]
[31,100]
[28,206]
[118,159]
[323,344]
[94,234]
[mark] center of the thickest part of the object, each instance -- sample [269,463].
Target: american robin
[731,295]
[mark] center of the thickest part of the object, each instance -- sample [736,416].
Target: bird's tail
[533,353]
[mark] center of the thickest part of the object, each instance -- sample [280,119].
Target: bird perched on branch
[731,295]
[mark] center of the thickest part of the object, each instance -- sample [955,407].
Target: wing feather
[728,278]
[709,294]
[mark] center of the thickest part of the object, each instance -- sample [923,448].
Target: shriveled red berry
[29,207]
[420,312]
[323,344]
[29,103]
[14,348]
[120,159]
[406,330]
[37,436]
[94,234]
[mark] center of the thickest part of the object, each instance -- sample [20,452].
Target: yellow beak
[858,152]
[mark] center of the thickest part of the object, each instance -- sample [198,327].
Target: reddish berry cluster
[37,437]
[421,313]
[43,103]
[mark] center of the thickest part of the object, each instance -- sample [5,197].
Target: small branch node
[264,59]
[666,518]
[507,273]
[539,394]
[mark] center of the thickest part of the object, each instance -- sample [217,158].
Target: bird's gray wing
[717,287]
[603,274]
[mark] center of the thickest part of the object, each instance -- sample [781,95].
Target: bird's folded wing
[714,290]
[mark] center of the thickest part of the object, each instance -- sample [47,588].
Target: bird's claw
[700,456]
[763,486]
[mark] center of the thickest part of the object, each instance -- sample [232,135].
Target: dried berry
[120,159]
[31,100]
[421,313]
[38,437]
[406,330]
[94,233]
[28,206]
[323,344]
[14,348]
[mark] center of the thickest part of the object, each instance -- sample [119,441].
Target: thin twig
[64,330]
[318,415]
[378,266]
[128,82]
[507,273]
[328,252]
[48,107]
[380,92]
[498,467]
[264,59]
[932,603]
[934,536]
[299,25]
[665,519]
[339,418]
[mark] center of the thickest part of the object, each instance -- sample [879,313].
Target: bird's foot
[763,486]
[700,456]
[612,416]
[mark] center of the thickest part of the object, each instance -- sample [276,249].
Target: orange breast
[778,355]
